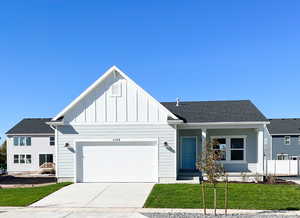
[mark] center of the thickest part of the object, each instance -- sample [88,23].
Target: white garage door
[117,162]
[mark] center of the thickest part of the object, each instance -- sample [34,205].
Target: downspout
[56,150]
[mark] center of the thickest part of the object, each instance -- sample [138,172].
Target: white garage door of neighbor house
[118,162]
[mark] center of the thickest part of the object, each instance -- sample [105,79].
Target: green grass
[27,196]
[241,196]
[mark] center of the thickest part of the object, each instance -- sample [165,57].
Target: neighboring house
[30,143]
[285,141]
[116,132]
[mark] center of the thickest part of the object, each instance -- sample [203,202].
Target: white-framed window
[51,140]
[16,159]
[22,158]
[16,140]
[237,147]
[287,140]
[28,158]
[220,147]
[22,140]
[282,156]
[231,148]
[28,141]
[116,89]
[45,158]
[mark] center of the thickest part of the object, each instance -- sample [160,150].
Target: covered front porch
[242,148]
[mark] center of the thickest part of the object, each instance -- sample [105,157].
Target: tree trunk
[203,197]
[226,195]
[215,200]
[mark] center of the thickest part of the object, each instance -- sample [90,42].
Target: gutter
[228,123]
[175,121]
[55,123]
[29,134]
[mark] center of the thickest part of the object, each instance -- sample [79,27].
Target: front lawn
[241,196]
[27,196]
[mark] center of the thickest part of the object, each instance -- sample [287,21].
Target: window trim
[285,140]
[20,140]
[23,159]
[18,157]
[282,154]
[16,139]
[228,148]
[26,158]
[45,155]
[26,138]
[52,141]
[221,149]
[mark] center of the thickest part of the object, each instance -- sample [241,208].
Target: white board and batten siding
[133,105]
[133,114]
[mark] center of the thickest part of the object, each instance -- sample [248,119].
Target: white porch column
[260,151]
[203,139]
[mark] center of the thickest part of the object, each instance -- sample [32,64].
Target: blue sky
[51,50]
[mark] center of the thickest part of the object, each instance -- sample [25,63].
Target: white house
[30,143]
[117,132]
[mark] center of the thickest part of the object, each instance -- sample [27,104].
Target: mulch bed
[9,181]
[276,182]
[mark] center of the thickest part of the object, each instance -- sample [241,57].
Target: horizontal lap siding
[162,132]
[280,148]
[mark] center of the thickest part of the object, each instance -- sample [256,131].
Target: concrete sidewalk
[134,213]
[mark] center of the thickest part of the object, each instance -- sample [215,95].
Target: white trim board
[31,134]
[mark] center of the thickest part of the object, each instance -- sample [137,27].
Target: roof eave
[279,134]
[175,121]
[55,123]
[28,134]
[229,123]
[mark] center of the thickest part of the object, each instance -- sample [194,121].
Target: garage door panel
[118,163]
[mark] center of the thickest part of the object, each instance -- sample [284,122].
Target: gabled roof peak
[95,84]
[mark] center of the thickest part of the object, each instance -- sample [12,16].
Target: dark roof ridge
[36,118]
[206,101]
[284,118]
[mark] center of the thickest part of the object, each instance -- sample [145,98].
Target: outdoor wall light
[67,145]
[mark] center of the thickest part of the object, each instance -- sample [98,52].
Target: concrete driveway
[98,195]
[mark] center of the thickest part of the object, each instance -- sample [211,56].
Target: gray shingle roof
[32,126]
[284,126]
[216,111]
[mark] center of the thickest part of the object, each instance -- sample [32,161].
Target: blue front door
[188,149]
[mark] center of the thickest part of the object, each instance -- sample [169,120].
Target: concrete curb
[153,210]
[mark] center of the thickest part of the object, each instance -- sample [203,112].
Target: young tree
[209,164]
[3,154]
